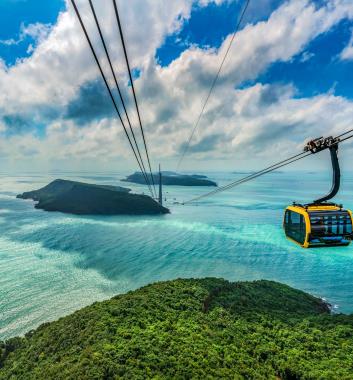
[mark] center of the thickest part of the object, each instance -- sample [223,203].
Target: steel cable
[108,87]
[117,86]
[133,88]
[267,170]
[186,149]
[253,176]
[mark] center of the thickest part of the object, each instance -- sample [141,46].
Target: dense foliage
[89,199]
[173,179]
[207,328]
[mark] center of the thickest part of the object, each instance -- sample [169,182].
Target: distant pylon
[160,198]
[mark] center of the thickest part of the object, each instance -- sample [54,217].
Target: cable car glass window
[295,226]
[334,223]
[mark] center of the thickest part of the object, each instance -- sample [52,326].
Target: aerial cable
[253,176]
[187,146]
[345,133]
[269,169]
[108,89]
[133,88]
[346,138]
[249,177]
[116,83]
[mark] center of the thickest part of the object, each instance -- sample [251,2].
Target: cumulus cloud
[306,56]
[347,52]
[91,103]
[62,62]
[60,83]
[37,31]
[206,144]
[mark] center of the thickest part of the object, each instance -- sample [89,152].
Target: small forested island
[194,328]
[172,179]
[90,199]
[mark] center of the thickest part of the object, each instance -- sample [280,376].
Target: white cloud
[347,52]
[10,42]
[270,117]
[62,62]
[306,56]
[258,123]
[37,31]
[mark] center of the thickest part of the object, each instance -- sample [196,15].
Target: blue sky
[319,68]
[14,14]
[220,20]
[282,90]
[209,25]
[316,70]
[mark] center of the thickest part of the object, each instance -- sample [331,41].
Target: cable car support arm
[330,143]
[312,147]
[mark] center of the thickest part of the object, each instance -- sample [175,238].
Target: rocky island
[90,199]
[189,329]
[172,179]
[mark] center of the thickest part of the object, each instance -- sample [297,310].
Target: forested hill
[207,328]
[90,199]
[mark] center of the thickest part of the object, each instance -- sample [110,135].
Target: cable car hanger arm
[314,146]
[330,143]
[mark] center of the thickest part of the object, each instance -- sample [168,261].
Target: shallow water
[52,264]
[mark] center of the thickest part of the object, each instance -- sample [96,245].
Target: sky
[287,78]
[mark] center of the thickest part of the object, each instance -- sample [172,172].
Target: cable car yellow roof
[300,208]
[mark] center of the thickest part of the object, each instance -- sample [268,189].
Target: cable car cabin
[318,225]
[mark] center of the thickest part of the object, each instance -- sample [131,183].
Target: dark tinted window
[334,223]
[294,224]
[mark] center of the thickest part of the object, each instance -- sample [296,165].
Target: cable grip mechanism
[321,143]
[330,143]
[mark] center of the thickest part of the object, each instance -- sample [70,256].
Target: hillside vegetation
[173,179]
[90,199]
[182,329]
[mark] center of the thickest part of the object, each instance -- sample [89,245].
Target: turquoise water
[52,264]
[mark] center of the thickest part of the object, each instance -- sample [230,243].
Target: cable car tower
[160,194]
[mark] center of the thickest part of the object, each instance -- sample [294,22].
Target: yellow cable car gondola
[320,224]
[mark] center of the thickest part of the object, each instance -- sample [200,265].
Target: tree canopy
[194,328]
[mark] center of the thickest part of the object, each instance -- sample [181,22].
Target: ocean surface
[52,264]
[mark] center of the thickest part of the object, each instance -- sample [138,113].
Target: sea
[52,264]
